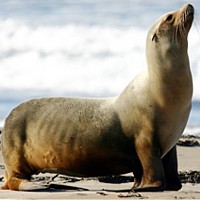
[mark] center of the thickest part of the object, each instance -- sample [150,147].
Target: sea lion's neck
[170,78]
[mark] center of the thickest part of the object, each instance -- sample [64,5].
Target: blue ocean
[82,48]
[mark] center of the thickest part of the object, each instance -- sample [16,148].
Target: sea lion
[134,132]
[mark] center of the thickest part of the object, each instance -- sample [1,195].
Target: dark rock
[188,143]
[189,176]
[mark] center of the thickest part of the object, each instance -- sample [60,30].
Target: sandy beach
[63,187]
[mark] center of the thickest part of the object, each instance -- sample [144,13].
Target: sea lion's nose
[189,8]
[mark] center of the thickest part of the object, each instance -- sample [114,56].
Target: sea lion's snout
[184,18]
[189,8]
[187,13]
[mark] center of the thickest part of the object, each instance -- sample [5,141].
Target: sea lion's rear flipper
[32,186]
[23,185]
[13,182]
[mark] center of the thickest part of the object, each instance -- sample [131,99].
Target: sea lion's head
[168,36]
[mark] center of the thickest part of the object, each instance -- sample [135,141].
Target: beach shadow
[60,187]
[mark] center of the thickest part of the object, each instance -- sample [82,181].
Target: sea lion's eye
[169,18]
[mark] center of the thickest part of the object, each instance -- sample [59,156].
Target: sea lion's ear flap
[154,37]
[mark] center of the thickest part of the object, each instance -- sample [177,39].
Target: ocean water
[82,48]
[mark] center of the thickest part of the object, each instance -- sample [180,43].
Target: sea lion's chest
[170,128]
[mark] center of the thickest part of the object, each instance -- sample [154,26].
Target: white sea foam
[91,59]
[189,130]
[70,58]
